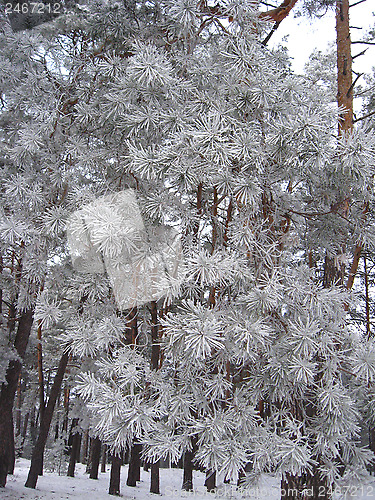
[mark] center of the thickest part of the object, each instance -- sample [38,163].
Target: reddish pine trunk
[344,64]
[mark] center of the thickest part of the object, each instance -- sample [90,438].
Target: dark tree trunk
[187,482]
[75,444]
[7,395]
[155,356]
[155,353]
[85,447]
[371,467]
[18,407]
[104,459]
[114,482]
[134,471]
[155,478]
[37,455]
[95,458]
[12,451]
[210,482]
[24,429]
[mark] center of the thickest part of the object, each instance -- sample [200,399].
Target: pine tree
[183,104]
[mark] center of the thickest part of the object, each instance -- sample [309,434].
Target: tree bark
[85,445]
[18,407]
[74,450]
[155,353]
[134,471]
[104,459]
[95,458]
[155,356]
[344,65]
[210,482]
[155,478]
[187,482]
[7,395]
[37,455]
[114,482]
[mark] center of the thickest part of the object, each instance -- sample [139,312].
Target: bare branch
[352,85]
[357,3]
[364,117]
[268,37]
[360,53]
[364,42]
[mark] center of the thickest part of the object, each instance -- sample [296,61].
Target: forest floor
[52,486]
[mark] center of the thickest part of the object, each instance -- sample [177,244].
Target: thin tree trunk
[24,428]
[95,458]
[134,471]
[7,395]
[85,446]
[114,482]
[155,356]
[18,407]
[40,371]
[74,449]
[37,455]
[66,408]
[104,459]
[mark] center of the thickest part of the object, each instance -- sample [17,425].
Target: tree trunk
[18,407]
[7,395]
[344,65]
[210,482]
[114,482]
[85,446]
[95,458]
[37,455]
[74,449]
[12,451]
[187,482]
[155,352]
[134,471]
[371,467]
[40,371]
[104,459]
[155,478]
[155,355]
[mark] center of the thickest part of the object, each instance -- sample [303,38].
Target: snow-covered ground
[51,486]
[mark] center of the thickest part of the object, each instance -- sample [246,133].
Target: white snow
[51,486]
